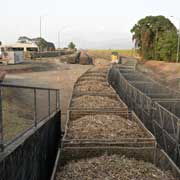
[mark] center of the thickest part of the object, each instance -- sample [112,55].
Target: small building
[25,47]
[16,53]
[41,42]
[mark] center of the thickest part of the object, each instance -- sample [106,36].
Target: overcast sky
[88,23]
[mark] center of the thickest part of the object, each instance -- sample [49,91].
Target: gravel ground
[62,76]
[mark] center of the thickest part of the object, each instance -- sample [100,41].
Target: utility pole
[59,39]
[60,31]
[59,44]
[40,25]
[40,29]
[40,32]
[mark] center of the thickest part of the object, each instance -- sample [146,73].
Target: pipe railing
[23,108]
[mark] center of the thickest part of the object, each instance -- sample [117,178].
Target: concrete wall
[32,157]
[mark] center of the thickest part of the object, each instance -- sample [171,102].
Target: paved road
[62,78]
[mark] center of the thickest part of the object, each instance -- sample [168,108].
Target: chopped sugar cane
[104,127]
[114,167]
[94,87]
[87,101]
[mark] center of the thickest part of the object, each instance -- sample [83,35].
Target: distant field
[106,54]
[125,52]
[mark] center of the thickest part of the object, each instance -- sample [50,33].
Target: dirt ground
[166,73]
[52,75]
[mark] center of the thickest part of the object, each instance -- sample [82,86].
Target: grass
[106,54]
[14,125]
[125,52]
[16,117]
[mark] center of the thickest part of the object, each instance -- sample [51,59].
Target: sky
[97,24]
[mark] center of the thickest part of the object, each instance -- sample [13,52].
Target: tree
[44,45]
[71,45]
[155,37]
[41,43]
[167,47]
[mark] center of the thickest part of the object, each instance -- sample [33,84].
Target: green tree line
[155,37]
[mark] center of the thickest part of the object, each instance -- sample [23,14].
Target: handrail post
[178,132]
[1,122]
[178,136]
[49,102]
[35,108]
[58,99]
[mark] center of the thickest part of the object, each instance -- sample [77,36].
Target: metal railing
[159,111]
[166,127]
[23,108]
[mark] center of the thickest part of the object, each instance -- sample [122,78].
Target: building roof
[20,45]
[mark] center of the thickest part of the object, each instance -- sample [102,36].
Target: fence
[158,107]
[166,123]
[22,108]
[133,97]
[51,53]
